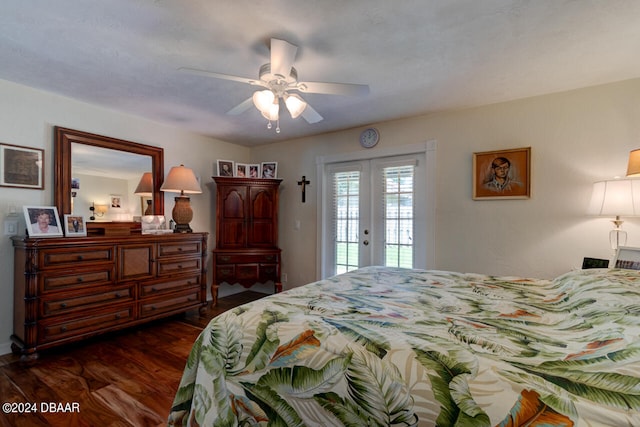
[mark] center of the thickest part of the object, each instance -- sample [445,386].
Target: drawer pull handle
[153,307]
[270,257]
[80,279]
[154,290]
[179,266]
[117,315]
[117,294]
[225,258]
[80,258]
[63,329]
[179,249]
[63,305]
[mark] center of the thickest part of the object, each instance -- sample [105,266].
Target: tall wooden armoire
[246,250]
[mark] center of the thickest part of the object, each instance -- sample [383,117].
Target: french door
[374,213]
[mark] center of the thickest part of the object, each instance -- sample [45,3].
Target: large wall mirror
[101,178]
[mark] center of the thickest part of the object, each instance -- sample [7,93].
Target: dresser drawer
[75,257]
[60,329]
[91,299]
[166,286]
[268,272]
[173,266]
[159,306]
[246,259]
[67,280]
[179,248]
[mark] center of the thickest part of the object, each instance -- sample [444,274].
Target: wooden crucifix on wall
[304,182]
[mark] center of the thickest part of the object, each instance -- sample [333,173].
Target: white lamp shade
[145,186]
[263,100]
[272,113]
[181,180]
[619,197]
[295,104]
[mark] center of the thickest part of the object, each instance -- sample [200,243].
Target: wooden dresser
[246,250]
[67,289]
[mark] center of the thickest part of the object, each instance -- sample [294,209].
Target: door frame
[429,150]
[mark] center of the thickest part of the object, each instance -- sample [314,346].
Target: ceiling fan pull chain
[278,126]
[269,125]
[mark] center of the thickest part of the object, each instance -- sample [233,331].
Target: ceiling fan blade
[311,115]
[282,56]
[254,82]
[242,107]
[333,88]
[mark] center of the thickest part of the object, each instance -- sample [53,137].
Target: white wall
[577,138]
[27,118]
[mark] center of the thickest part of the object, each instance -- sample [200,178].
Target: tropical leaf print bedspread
[394,347]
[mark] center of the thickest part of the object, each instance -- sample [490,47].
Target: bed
[388,346]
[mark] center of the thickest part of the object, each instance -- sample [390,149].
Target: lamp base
[182,228]
[182,215]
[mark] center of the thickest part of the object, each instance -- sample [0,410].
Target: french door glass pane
[346,220]
[398,215]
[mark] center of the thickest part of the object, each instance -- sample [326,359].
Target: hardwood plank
[126,378]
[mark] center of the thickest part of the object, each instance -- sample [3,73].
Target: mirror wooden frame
[63,138]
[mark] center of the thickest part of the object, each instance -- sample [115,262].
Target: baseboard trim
[5,348]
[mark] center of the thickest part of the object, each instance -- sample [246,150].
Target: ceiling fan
[280,78]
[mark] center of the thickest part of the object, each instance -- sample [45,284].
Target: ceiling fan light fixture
[263,100]
[272,112]
[295,104]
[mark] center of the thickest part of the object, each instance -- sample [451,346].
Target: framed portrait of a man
[42,221]
[74,225]
[502,174]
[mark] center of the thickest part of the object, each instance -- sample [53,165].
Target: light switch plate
[10,227]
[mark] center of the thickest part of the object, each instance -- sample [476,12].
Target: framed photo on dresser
[42,221]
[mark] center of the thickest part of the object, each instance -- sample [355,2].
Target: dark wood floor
[127,378]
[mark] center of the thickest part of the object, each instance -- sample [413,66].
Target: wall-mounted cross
[304,184]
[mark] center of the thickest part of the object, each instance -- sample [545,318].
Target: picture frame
[241,170]
[627,258]
[74,225]
[225,167]
[115,201]
[502,174]
[42,221]
[254,170]
[21,167]
[154,224]
[269,170]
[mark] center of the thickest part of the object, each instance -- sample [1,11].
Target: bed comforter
[386,346]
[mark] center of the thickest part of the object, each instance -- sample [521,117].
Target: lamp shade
[295,104]
[181,180]
[263,99]
[145,186]
[618,197]
[633,168]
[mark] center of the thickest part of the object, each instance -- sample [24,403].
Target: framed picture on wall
[502,174]
[21,167]
[116,201]
[42,221]
[74,225]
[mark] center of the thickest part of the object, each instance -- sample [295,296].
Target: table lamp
[181,180]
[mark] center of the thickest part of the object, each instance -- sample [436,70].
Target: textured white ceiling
[417,56]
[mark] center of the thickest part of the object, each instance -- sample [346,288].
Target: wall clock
[369,137]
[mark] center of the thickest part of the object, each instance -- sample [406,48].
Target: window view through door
[398,216]
[373,208]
